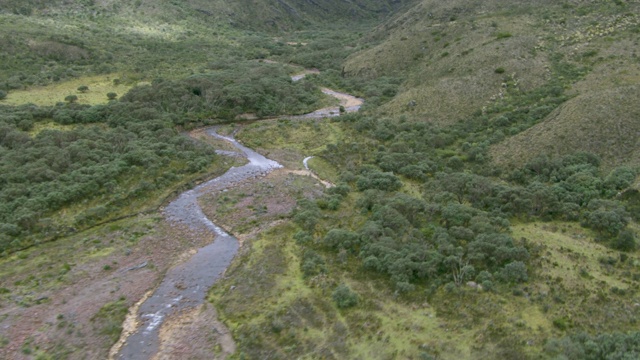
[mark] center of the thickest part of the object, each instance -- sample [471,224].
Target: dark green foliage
[371,178]
[626,241]
[71,98]
[606,217]
[312,264]
[302,237]
[54,169]
[112,96]
[514,272]
[620,178]
[613,346]
[631,199]
[307,215]
[83,88]
[340,239]
[3,94]
[245,87]
[344,297]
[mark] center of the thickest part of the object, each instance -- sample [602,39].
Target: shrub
[514,272]
[3,94]
[71,98]
[626,241]
[83,88]
[345,297]
[112,96]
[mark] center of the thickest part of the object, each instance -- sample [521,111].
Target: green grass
[110,317]
[323,169]
[290,141]
[296,317]
[568,250]
[99,86]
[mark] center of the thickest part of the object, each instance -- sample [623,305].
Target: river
[186,284]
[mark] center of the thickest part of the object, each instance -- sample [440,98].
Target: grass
[290,141]
[296,317]
[323,169]
[569,251]
[590,122]
[110,317]
[99,86]
[273,311]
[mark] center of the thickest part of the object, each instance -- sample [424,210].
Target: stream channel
[186,284]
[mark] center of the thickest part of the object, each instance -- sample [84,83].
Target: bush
[71,98]
[112,96]
[514,272]
[339,238]
[3,94]
[626,241]
[378,180]
[345,297]
[83,88]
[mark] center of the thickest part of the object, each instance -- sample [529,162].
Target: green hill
[259,15]
[604,122]
[460,58]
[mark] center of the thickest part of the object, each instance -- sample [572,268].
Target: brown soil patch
[243,209]
[195,334]
[53,312]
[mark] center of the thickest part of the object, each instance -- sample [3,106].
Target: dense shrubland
[109,155]
[59,168]
[261,88]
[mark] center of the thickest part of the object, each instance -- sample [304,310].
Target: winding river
[186,284]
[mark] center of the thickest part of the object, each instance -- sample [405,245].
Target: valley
[385,179]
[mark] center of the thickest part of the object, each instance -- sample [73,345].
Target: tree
[378,180]
[626,241]
[514,272]
[339,238]
[71,99]
[345,297]
[620,178]
[112,95]
[608,223]
[83,88]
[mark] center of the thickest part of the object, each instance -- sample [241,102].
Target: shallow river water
[186,285]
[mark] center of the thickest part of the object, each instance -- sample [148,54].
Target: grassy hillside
[257,15]
[466,57]
[603,122]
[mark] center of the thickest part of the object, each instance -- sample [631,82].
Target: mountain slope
[254,14]
[605,123]
[464,58]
